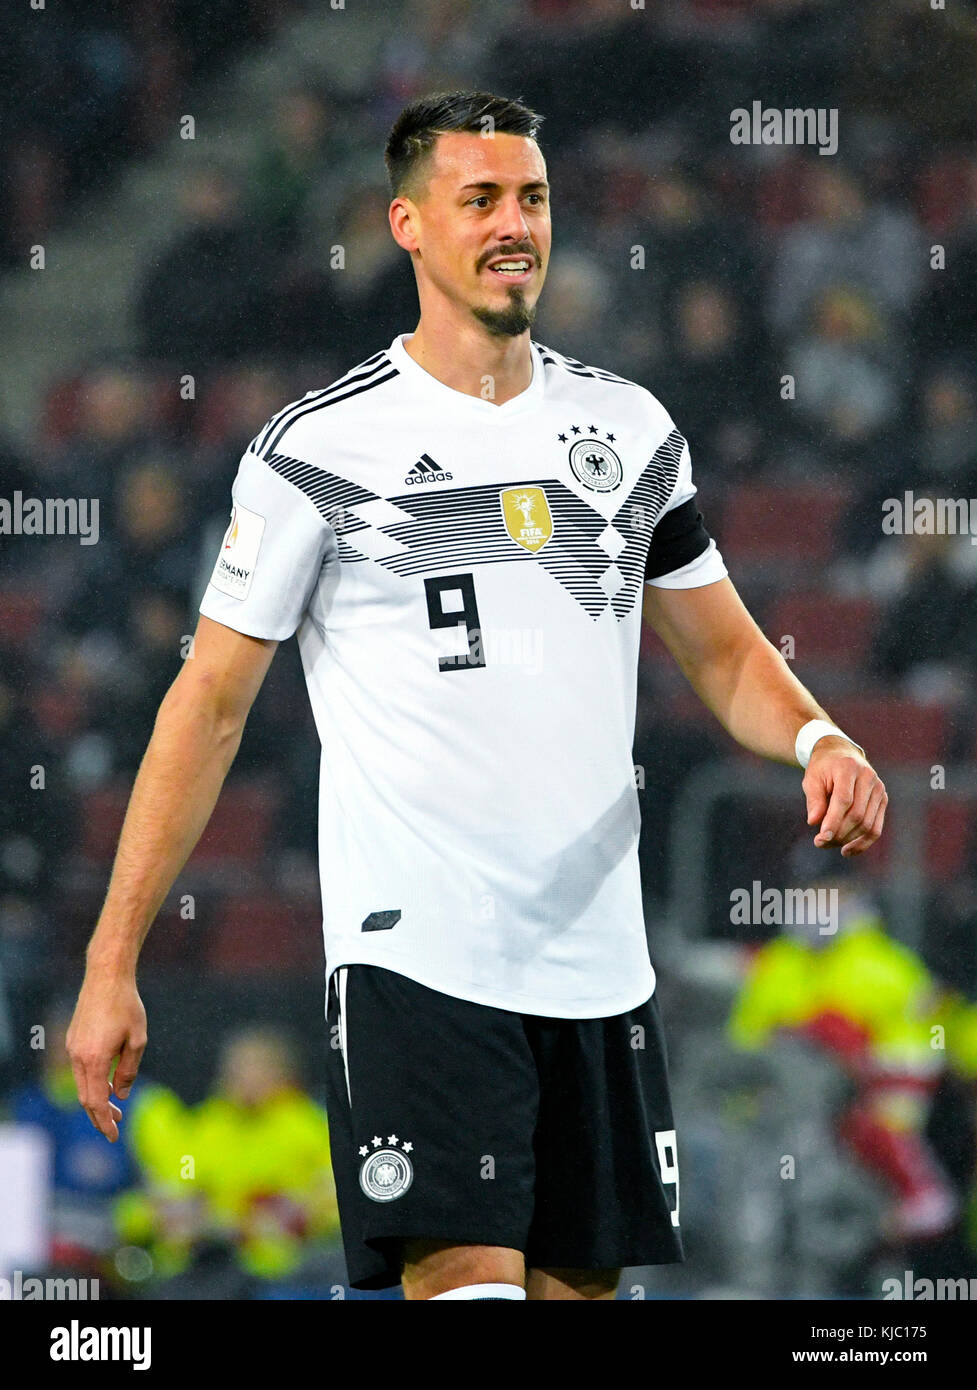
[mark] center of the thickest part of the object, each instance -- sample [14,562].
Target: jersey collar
[437,390]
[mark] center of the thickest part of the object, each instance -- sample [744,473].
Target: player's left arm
[749,687]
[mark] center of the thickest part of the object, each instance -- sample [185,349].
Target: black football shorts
[456,1121]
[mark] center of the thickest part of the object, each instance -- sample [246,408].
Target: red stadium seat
[238,831]
[173,938]
[767,522]
[266,934]
[241,824]
[102,816]
[827,630]
[949,836]
[20,616]
[893,730]
[61,410]
[214,416]
[779,194]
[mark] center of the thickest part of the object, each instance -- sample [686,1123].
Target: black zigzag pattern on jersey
[641,513]
[465,526]
[372,372]
[332,495]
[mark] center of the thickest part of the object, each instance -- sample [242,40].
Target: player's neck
[474,362]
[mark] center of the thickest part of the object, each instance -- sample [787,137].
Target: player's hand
[109,1022]
[846,798]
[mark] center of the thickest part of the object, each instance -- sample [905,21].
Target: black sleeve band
[679,537]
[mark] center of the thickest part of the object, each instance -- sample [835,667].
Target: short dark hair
[413,135]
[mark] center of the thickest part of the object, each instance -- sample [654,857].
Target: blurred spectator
[259,1179]
[685,232]
[206,299]
[114,422]
[855,993]
[86,86]
[936,453]
[926,638]
[354,299]
[844,240]
[717,381]
[300,142]
[436,46]
[36,831]
[947,451]
[846,378]
[147,547]
[578,310]
[231,409]
[88,1172]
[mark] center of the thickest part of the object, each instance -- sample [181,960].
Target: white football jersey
[465,580]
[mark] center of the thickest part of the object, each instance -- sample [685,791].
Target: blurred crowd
[91,85]
[809,322]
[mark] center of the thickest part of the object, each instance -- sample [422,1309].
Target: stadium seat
[238,831]
[949,834]
[894,730]
[174,937]
[785,523]
[779,196]
[241,824]
[214,419]
[101,819]
[20,616]
[60,410]
[266,934]
[827,630]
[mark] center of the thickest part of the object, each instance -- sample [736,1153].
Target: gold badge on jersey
[526,513]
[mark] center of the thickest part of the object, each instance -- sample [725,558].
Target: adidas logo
[425,470]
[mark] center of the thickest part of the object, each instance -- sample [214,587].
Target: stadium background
[208,260]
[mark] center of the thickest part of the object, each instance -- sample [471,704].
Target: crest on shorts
[386,1171]
[526,513]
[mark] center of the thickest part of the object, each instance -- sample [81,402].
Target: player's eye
[482,198]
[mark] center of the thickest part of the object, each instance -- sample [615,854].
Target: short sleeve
[271,555]
[682,554]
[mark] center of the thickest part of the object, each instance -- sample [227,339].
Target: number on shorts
[668,1162]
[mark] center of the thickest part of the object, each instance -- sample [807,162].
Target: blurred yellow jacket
[261,1174]
[863,975]
[280,1148]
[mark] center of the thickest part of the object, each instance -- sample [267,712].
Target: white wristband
[809,734]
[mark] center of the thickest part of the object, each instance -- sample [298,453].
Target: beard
[511,321]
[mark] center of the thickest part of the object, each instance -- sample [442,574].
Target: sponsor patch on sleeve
[239,553]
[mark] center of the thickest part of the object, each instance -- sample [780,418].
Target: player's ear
[404,223]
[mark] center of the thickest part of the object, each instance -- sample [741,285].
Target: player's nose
[511,220]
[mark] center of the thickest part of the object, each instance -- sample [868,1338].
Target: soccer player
[461,532]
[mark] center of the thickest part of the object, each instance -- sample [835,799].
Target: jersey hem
[500,999]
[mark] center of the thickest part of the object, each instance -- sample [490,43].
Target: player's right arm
[195,738]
